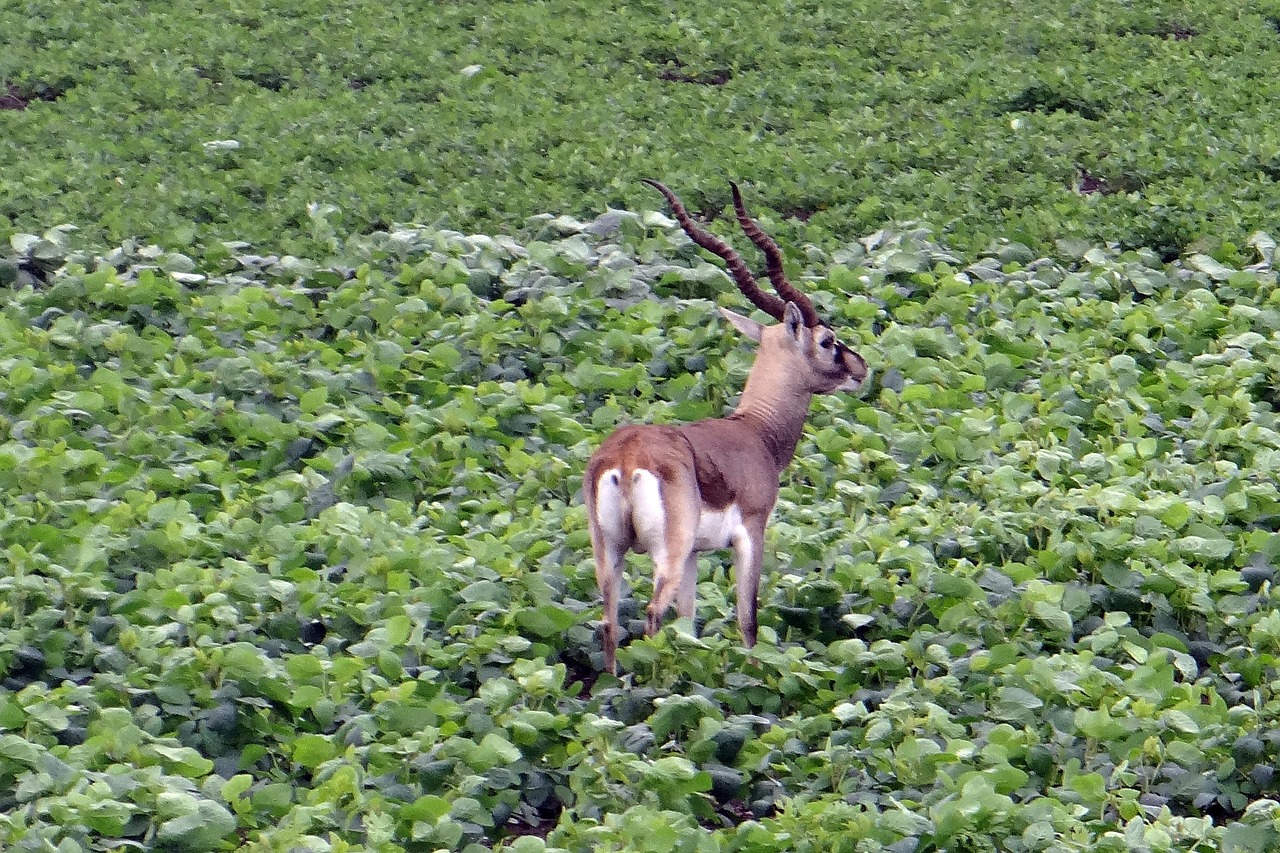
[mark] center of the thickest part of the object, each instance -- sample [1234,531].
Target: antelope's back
[656,448]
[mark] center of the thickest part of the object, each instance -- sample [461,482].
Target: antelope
[676,491]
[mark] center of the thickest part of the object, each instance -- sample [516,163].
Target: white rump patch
[647,514]
[611,507]
[633,515]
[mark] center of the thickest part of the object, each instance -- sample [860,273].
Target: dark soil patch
[737,812]
[11,100]
[675,73]
[803,214]
[1173,29]
[714,77]
[578,669]
[15,97]
[1047,99]
[541,829]
[734,812]
[1088,183]
[272,81]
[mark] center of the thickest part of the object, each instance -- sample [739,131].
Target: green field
[294,551]
[1144,124]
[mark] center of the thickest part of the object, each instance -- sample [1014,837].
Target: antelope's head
[802,349]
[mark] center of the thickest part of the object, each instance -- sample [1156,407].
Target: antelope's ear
[793,320]
[745,325]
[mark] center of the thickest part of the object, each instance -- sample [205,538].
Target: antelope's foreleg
[748,560]
[686,597]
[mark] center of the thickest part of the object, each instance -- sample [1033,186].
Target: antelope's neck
[777,411]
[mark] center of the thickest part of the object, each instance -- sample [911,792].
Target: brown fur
[712,465]
[709,470]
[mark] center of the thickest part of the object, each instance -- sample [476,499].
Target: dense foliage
[195,121]
[294,559]
[293,553]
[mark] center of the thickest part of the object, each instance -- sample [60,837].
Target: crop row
[1138,124]
[296,556]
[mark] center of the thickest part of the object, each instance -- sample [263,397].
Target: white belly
[717,528]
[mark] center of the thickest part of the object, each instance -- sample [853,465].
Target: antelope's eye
[825,343]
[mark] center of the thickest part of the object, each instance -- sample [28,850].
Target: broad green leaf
[443,356]
[236,786]
[108,817]
[1090,786]
[187,761]
[429,808]
[313,399]
[203,829]
[545,621]
[311,751]
[1209,266]
[1181,721]
[303,667]
[1204,548]
[398,628]
[19,749]
[274,798]
[492,750]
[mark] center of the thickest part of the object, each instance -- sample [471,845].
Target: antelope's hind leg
[674,580]
[610,558]
[611,537]
[669,532]
[669,587]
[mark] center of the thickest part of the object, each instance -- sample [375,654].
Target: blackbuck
[675,491]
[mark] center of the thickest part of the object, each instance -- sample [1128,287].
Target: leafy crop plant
[295,558]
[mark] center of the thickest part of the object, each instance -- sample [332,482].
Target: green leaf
[1090,786]
[527,844]
[107,817]
[185,760]
[545,621]
[1052,616]
[429,808]
[237,786]
[203,829]
[273,799]
[49,715]
[472,811]
[444,356]
[312,400]
[303,668]
[1181,721]
[1176,515]
[492,751]
[1249,838]
[310,751]
[1204,548]
[11,714]
[19,749]
[398,628]
[1209,266]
